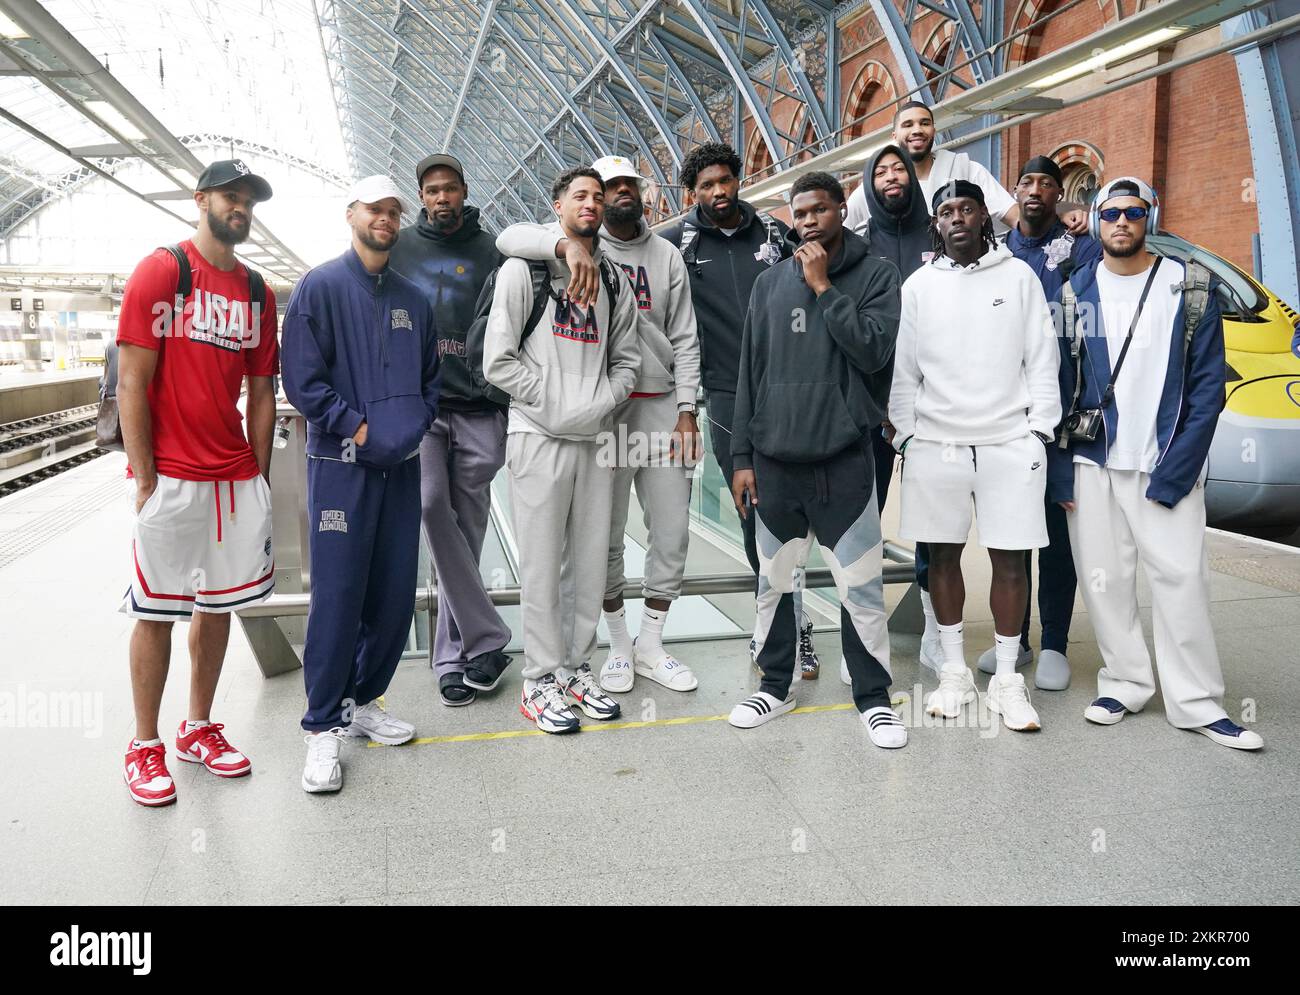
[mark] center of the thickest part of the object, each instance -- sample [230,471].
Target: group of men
[1059,380]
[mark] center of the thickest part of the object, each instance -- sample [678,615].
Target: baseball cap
[612,166]
[226,171]
[954,189]
[373,189]
[439,159]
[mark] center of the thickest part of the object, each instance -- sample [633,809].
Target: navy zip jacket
[1054,256]
[722,278]
[812,369]
[1189,403]
[451,269]
[360,347]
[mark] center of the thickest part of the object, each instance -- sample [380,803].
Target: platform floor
[681,808]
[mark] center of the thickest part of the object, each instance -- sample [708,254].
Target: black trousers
[832,503]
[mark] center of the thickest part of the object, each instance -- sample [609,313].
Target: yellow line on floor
[474,737]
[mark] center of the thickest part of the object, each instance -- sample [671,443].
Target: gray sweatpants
[459,456]
[643,427]
[561,499]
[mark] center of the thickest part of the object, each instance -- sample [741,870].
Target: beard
[923,153]
[1134,247]
[224,233]
[895,203]
[371,242]
[446,224]
[624,215]
[711,214]
[585,230]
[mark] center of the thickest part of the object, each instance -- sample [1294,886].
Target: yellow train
[1254,474]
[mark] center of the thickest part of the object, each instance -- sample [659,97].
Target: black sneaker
[483,673]
[810,667]
[452,690]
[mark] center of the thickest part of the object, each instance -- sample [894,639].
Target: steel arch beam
[701,113]
[485,25]
[662,180]
[814,109]
[419,59]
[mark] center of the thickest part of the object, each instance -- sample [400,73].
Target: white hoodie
[976,361]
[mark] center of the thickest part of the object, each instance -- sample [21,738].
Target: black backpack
[542,292]
[185,282]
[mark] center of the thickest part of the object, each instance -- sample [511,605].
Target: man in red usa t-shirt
[201,542]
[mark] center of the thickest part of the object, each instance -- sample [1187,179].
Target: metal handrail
[900,570]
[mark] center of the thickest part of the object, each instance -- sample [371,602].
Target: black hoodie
[813,370]
[722,277]
[450,269]
[904,239]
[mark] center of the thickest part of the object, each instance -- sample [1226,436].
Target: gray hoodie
[670,346]
[576,366]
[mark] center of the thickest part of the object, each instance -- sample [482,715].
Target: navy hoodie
[451,269]
[360,347]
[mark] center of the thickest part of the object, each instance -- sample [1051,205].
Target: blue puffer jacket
[1189,403]
[360,347]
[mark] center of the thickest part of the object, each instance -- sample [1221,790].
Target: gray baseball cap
[439,159]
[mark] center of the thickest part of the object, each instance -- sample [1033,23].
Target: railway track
[36,449]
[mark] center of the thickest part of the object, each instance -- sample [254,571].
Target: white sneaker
[955,691]
[885,728]
[323,770]
[581,686]
[371,721]
[1227,733]
[932,653]
[1008,697]
[616,673]
[844,673]
[758,708]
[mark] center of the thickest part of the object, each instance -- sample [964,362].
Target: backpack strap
[184,284]
[1195,289]
[256,290]
[541,285]
[688,248]
[769,225]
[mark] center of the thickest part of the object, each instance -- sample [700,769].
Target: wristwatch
[686,408]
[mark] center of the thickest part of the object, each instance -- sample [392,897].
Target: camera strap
[1109,396]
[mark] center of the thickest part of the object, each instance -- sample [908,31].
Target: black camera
[1083,425]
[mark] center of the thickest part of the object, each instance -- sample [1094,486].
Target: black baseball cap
[439,159]
[223,172]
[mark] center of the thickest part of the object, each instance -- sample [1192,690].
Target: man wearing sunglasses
[1142,392]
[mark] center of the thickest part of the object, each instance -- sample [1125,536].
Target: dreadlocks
[986,233]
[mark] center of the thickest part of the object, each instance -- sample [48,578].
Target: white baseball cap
[373,189]
[611,166]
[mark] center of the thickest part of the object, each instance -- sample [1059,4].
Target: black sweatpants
[833,503]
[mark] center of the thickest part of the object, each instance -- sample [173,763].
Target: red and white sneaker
[146,775]
[207,746]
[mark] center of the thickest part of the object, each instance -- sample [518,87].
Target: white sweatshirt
[575,367]
[976,361]
[670,347]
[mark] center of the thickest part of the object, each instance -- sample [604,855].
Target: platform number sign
[15,303]
[38,304]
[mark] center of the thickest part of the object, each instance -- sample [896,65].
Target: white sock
[137,743]
[1006,649]
[650,637]
[954,652]
[931,623]
[620,640]
[192,724]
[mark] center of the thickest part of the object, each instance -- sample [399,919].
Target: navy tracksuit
[359,347]
[1053,257]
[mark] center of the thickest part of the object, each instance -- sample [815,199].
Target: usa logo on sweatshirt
[640,284]
[573,322]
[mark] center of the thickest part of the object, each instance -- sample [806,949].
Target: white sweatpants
[560,495]
[1113,528]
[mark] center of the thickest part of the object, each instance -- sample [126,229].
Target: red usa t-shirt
[198,431]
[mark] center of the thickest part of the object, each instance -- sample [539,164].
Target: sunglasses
[1111,214]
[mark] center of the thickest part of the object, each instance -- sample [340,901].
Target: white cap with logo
[612,166]
[373,189]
